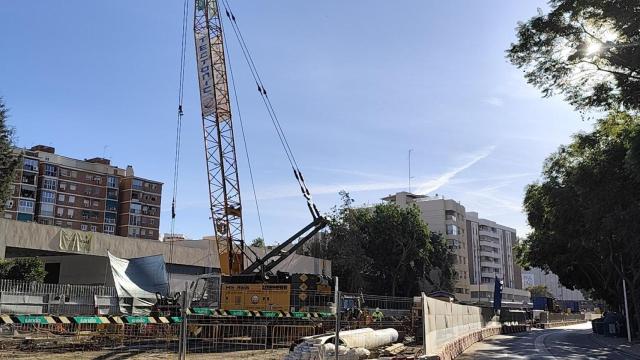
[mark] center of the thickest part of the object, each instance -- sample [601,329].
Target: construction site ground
[271,354]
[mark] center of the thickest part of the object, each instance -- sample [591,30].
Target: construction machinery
[259,282]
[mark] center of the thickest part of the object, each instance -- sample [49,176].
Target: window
[88,177]
[112,194]
[61,197]
[97,179]
[74,174]
[134,232]
[69,224]
[72,199]
[86,202]
[25,206]
[49,184]
[30,164]
[64,172]
[135,209]
[111,182]
[29,179]
[150,233]
[452,229]
[143,232]
[58,223]
[95,203]
[154,186]
[109,229]
[137,184]
[50,170]
[152,221]
[83,227]
[72,187]
[135,220]
[63,186]
[93,228]
[47,197]
[70,213]
[59,212]
[28,192]
[46,210]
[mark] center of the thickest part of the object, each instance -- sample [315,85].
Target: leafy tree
[258,242]
[8,160]
[386,250]
[584,213]
[589,50]
[22,269]
[539,290]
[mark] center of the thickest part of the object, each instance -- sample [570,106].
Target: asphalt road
[570,342]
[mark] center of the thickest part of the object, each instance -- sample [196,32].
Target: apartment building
[447,217]
[483,249]
[87,195]
[491,255]
[139,206]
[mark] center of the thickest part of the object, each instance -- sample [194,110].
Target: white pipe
[366,338]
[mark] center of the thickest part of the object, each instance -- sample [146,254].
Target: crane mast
[220,151]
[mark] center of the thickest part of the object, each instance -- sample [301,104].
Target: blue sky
[356,84]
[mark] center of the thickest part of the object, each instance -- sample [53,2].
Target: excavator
[257,286]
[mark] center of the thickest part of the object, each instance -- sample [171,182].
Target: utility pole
[337,302]
[626,306]
[410,150]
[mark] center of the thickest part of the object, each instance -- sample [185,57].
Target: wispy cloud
[435,184]
[494,101]
[422,186]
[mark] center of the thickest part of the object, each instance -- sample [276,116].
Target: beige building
[447,217]
[490,250]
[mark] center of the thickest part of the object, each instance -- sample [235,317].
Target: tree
[258,242]
[539,291]
[8,160]
[386,250]
[584,213]
[22,269]
[586,49]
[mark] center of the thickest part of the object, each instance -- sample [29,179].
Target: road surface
[569,342]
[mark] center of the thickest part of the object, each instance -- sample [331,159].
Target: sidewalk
[618,343]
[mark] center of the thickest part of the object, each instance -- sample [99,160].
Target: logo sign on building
[205,73]
[527,280]
[75,241]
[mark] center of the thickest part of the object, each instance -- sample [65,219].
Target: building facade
[491,255]
[483,249]
[87,195]
[538,277]
[447,217]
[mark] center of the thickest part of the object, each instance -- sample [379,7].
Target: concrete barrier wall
[445,322]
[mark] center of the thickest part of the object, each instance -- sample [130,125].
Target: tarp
[137,281]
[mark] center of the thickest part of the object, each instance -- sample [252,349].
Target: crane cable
[244,141]
[271,111]
[176,167]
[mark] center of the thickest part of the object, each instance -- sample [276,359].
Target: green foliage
[22,269]
[585,49]
[539,290]
[584,213]
[386,250]
[258,242]
[8,160]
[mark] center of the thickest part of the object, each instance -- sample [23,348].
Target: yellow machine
[256,297]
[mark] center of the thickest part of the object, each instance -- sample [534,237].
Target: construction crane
[222,166]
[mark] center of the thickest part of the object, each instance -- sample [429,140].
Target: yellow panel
[256,297]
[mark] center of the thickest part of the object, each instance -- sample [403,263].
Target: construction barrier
[285,335]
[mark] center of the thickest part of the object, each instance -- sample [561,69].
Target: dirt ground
[276,354]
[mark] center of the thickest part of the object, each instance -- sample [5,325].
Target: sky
[356,85]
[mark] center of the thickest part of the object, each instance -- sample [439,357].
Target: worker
[377,315]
